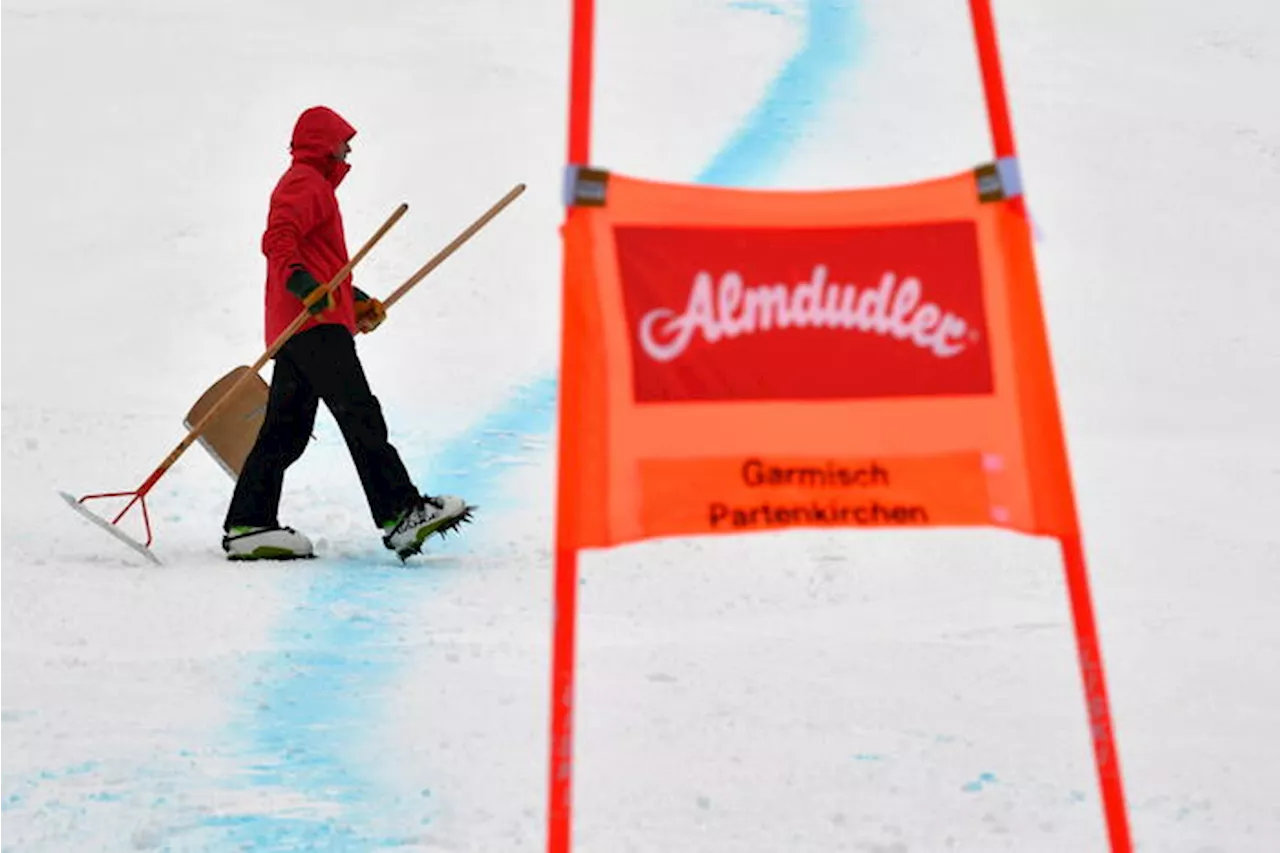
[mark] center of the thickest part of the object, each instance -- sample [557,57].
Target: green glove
[301,284]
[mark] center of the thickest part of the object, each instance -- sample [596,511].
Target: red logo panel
[770,314]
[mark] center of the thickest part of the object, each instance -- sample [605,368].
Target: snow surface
[863,691]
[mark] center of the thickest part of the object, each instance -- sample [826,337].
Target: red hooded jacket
[304,224]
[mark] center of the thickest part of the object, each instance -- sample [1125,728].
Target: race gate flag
[738,361]
[762,360]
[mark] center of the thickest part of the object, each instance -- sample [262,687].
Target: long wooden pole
[139,495]
[453,246]
[198,428]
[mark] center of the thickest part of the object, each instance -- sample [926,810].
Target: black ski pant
[319,364]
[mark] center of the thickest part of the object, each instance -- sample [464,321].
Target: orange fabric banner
[756,360]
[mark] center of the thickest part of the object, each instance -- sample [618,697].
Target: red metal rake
[139,495]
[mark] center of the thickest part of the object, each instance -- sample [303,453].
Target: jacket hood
[316,133]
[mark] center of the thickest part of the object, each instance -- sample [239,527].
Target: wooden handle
[321,292]
[280,341]
[453,246]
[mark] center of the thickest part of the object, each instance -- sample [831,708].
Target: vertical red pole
[560,788]
[560,823]
[984,30]
[580,71]
[1106,756]
[1089,651]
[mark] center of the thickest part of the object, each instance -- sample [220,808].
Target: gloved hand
[301,283]
[370,311]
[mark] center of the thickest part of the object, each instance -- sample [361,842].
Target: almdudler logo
[770,314]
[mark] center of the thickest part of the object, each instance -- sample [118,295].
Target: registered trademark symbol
[974,335]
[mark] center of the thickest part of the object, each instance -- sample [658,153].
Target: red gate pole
[560,824]
[559,795]
[580,71]
[1106,756]
[984,30]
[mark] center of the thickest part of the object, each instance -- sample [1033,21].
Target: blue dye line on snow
[983,780]
[305,722]
[759,148]
[324,683]
[335,657]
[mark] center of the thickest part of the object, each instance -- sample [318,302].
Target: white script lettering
[897,308]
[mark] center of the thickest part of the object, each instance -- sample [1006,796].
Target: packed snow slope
[863,691]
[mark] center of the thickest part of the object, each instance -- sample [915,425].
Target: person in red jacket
[305,247]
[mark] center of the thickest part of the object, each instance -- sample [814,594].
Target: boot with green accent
[266,543]
[430,515]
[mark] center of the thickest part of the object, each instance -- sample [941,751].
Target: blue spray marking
[760,147]
[474,464]
[316,691]
[765,6]
[978,784]
[332,661]
[324,679]
[302,733]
